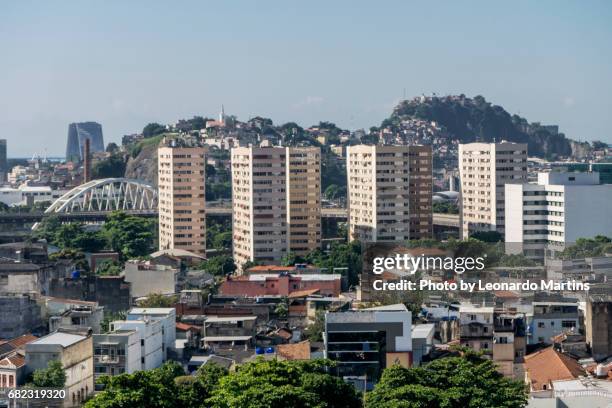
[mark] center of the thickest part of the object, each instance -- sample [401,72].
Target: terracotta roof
[549,365]
[16,360]
[303,293]
[295,351]
[186,327]
[506,294]
[284,333]
[22,340]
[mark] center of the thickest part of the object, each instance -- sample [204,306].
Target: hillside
[475,119]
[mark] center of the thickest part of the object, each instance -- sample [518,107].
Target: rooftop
[62,339]
[296,351]
[151,310]
[549,365]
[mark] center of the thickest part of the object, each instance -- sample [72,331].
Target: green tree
[112,166]
[109,268]
[282,308]
[281,384]
[151,388]
[153,129]
[47,228]
[77,257]
[587,247]
[218,265]
[340,256]
[487,236]
[290,259]
[445,208]
[453,382]
[314,332]
[53,376]
[130,235]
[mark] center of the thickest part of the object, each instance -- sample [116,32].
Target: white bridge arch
[108,194]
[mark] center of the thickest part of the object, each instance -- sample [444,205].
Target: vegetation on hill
[475,119]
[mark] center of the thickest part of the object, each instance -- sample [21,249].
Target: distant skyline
[125,64]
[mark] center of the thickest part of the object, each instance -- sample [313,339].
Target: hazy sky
[127,63]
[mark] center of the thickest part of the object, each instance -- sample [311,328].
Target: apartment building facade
[117,352]
[389,192]
[276,204]
[559,209]
[364,342]
[484,170]
[182,209]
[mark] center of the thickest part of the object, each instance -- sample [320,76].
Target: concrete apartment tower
[182,209]
[484,170]
[389,192]
[276,204]
[543,217]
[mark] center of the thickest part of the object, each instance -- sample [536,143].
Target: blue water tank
[76,274]
[259,350]
[269,350]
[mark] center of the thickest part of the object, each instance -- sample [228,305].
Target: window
[540,325]
[568,324]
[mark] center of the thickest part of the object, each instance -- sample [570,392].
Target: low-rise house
[544,367]
[509,343]
[146,278]
[476,327]
[75,353]
[228,332]
[117,352]
[12,370]
[283,284]
[19,314]
[82,316]
[166,316]
[150,339]
[422,341]
[551,318]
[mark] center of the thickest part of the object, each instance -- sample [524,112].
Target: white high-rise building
[484,169]
[556,211]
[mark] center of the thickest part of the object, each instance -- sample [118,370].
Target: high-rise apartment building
[556,211]
[389,192]
[276,202]
[484,169]
[181,184]
[77,134]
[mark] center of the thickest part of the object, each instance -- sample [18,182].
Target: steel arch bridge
[105,195]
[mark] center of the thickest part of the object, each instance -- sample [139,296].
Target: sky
[127,63]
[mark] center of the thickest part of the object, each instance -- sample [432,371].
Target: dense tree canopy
[586,247]
[259,384]
[53,376]
[453,382]
[282,384]
[340,256]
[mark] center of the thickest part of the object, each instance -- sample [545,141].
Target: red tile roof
[303,293]
[549,365]
[22,340]
[16,360]
[295,351]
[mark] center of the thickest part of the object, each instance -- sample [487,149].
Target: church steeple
[222,115]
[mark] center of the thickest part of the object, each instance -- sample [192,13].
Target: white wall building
[166,316]
[558,210]
[150,337]
[117,352]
